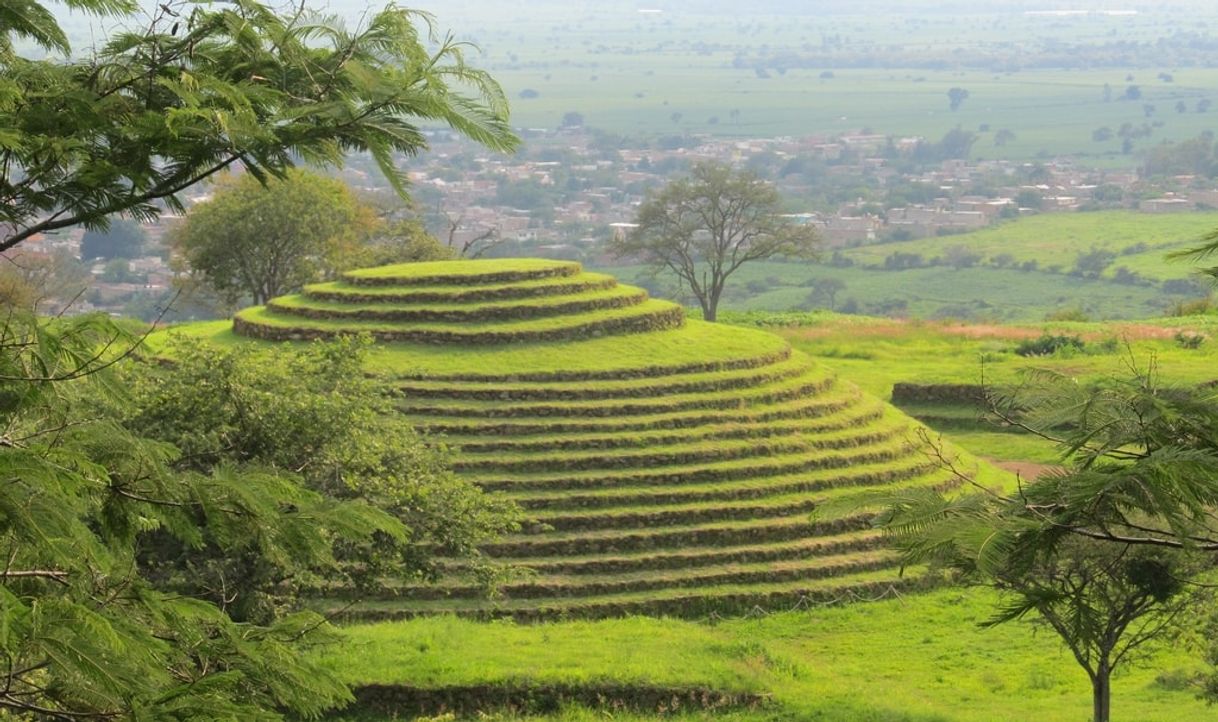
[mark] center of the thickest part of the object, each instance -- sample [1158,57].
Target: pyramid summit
[665,465]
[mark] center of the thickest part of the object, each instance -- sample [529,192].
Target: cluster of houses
[596,193]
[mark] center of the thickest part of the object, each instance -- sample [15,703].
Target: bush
[1049,344]
[1194,307]
[1067,314]
[1127,277]
[1189,339]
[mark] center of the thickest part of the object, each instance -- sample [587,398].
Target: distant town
[573,188]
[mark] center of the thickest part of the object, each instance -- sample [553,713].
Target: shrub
[1067,314]
[1189,339]
[1194,307]
[1049,344]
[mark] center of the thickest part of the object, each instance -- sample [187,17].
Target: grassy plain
[917,659]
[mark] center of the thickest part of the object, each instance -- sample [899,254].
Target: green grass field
[1056,239]
[921,658]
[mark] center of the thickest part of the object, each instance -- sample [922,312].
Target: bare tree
[471,246]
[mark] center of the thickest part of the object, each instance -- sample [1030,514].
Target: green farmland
[691,69]
[1022,272]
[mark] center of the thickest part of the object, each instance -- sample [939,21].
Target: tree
[470,243]
[261,240]
[956,97]
[1003,136]
[1105,601]
[1029,198]
[826,288]
[572,119]
[704,227]
[203,88]
[1091,263]
[401,241]
[959,255]
[1101,549]
[118,271]
[122,239]
[32,280]
[955,143]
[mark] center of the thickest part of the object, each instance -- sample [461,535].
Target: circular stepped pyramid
[665,466]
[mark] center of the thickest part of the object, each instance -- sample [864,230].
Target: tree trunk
[1101,694]
[710,309]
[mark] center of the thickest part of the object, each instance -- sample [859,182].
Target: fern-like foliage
[209,86]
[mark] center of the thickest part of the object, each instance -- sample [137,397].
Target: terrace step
[694,578]
[815,381]
[859,415]
[716,348]
[820,406]
[653,386]
[475,312]
[918,470]
[728,533]
[679,475]
[717,600]
[673,515]
[504,270]
[689,453]
[537,288]
[652,315]
[691,557]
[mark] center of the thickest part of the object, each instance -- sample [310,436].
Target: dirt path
[1026,470]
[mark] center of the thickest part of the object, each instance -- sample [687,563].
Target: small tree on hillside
[704,227]
[1101,550]
[1105,601]
[826,289]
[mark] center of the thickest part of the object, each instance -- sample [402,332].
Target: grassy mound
[665,466]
